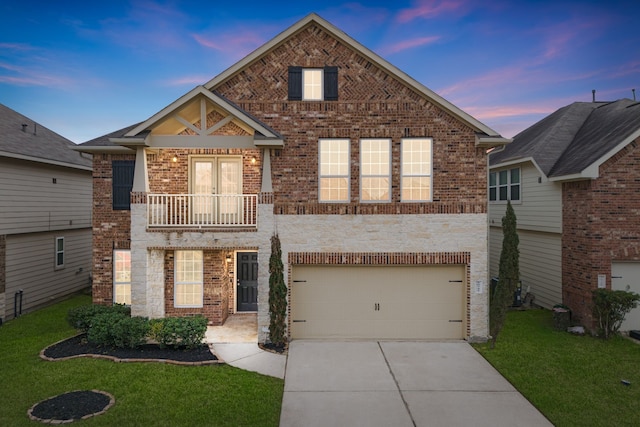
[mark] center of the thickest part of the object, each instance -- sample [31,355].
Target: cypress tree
[277,294]
[508,275]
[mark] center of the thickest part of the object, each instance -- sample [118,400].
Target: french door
[216,188]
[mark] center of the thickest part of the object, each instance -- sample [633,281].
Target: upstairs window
[313,84]
[375,169]
[504,185]
[416,170]
[122,183]
[334,170]
[59,264]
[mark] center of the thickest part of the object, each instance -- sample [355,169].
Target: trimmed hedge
[113,326]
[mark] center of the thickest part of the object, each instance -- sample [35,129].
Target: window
[504,185]
[416,169]
[122,183]
[59,252]
[122,277]
[313,84]
[375,170]
[188,279]
[334,170]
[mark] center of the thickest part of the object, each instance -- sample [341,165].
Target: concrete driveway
[389,383]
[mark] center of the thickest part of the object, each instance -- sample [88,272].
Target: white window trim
[508,185]
[347,176]
[120,283]
[429,175]
[388,175]
[176,283]
[58,252]
[304,84]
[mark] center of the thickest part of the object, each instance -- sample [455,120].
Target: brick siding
[601,224]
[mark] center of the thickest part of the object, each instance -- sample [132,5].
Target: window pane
[492,193]
[375,159]
[312,85]
[417,189]
[503,177]
[515,192]
[60,244]
[60,258]
[375,189]
[416,169]
[492,179]
[122,294]
[515,176]
[503,193]
[188,278]
[334,189]
[122,267]
[334,170]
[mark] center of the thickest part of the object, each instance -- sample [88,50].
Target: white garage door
[378,302]
[625,276]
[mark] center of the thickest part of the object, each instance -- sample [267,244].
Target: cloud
[238,42]
[187,81]
[408,44]
[428,9]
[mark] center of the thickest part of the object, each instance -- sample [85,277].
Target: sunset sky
[86,68]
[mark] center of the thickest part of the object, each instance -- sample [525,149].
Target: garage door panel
[385,302]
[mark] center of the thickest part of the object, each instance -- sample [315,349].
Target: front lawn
[573,380]
[147,394]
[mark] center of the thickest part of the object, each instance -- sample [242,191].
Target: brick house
[574,181]
[375,185]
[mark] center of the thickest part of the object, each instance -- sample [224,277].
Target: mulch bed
[79,347]
[68,407]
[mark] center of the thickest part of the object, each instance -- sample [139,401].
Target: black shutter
[295,83]
[122,183]
[330,83]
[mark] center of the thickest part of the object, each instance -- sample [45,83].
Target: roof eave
[111,149]
[489,141]
[45,161]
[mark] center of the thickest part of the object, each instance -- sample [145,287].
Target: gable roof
[488,135]
[22,138]
[575,140]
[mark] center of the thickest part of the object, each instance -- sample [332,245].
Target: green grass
[573,380]
[147,394]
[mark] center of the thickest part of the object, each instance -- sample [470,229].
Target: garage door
[378,302]
[625,276]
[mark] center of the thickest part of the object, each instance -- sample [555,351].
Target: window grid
[59,252]
[375,169]
[504,185]
[122,277]
[416,170]
[188,279]
[312,84]
[334,170]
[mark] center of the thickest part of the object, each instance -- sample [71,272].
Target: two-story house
[45,216]
[573,179]
[375,185]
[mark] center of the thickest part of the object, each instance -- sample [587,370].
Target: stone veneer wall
[601,224]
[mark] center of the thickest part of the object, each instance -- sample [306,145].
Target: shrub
[115,329]
[80,317]
[610,308]
[179,331]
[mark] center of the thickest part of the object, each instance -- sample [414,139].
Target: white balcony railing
[202,210]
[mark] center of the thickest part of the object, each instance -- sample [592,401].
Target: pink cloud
[23,76]
[187,81]
[427,9]
[239,43]
[408,44]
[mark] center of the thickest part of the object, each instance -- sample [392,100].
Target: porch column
[267,186]
[140,181]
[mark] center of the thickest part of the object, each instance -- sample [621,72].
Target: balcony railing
[202,210]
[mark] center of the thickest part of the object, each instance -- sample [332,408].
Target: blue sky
[86,68]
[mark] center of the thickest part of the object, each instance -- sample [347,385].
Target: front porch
[238,328]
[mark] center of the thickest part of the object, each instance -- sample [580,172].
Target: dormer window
[313,84]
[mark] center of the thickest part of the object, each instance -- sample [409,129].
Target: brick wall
[217,287]
[111,229]
[371,104]
[601,224]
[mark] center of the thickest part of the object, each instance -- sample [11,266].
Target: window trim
[347,176]
[305,85]
[387,176]
[509,185]
[177,283]
[121,283]
[59,252]
[429,175]
[329,83]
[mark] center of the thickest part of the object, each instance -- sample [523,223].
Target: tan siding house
[577,204]
[45,216]
[375,185]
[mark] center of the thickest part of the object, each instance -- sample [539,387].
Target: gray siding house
[573,179]
[45,215]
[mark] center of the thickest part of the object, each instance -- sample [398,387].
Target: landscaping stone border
[54,421]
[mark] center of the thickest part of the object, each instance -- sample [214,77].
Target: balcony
[202,210]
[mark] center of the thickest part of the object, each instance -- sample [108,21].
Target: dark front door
[247,277]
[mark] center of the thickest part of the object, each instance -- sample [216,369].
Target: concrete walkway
[398,384]
[250,357]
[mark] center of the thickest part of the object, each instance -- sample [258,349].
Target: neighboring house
[573,179]
[45,215]
[375,185]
